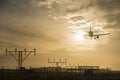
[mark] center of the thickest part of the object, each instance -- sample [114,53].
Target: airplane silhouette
[95,36]
[91,34]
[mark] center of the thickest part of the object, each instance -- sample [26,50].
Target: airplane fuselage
[90,33]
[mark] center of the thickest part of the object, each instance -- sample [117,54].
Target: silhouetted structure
[20,56]
[57,63]
[50,73]
[55,73]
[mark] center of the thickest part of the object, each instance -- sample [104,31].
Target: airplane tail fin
[90,28]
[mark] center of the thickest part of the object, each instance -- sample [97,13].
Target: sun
[79,36]
[80,42]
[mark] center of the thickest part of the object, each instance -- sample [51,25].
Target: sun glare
[80,36]
[80,42]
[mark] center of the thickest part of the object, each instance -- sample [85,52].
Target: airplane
[95,36]
[92,35]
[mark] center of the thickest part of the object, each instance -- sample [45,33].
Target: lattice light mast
[20,55]
[57,63]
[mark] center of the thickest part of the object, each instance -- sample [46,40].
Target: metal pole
[19,60]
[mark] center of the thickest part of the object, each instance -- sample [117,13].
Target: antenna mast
[20,56]
[57,63]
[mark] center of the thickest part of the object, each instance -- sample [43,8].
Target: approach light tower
[57,63]
[20,56]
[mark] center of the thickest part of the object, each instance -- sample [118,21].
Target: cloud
[109,5]
[111,8]
[14,35]
[77,18]
[20,7]
[62,8]
[113,21]
[14,5]
[77,13]
[104,11]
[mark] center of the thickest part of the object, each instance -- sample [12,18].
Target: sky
[56,28]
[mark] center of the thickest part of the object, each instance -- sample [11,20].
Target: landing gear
[97,36]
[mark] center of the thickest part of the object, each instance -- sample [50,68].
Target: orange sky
[49,26]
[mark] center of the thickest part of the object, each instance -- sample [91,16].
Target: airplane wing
[101,34]
[74,32]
